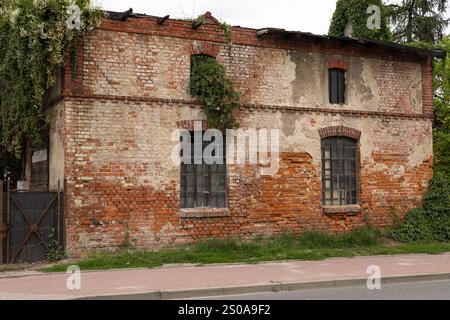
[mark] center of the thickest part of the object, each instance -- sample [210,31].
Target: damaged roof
[267,32]
[438,53]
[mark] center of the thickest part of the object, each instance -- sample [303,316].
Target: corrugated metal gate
[32,223]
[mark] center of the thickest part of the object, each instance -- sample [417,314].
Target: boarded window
[339,174]
[203,185]
[336,80]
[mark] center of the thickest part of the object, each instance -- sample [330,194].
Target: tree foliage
[441,102]
[418,20]
[441,132]
[35,37]
[355,12]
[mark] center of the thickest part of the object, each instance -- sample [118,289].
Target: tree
[418,20]
[355,12]
[35,38]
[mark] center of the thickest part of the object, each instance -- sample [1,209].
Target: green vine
[355,12]
[227,31]
[215,90]
[35,37]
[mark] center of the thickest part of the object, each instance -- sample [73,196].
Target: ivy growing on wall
[215,89]
[227,32]
[36,37]
[355,13]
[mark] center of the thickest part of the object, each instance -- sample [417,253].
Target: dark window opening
[339,171]
[203,185]
[336,81]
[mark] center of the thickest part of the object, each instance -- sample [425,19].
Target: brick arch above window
[205,48]
[341,131]
[337,64]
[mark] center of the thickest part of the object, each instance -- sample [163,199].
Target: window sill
[350,209]
[204,213]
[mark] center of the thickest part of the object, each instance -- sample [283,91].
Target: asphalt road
[432,290]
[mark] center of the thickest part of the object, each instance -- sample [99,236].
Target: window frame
[343,162]
[194,172]
[339,83]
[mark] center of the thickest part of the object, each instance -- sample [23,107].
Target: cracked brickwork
[130,91]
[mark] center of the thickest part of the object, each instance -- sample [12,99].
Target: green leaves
[432,220]
[35,39]
[418,20]
[355,12]
[215,90]
[441,132]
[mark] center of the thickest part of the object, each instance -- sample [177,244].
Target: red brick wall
[130,92]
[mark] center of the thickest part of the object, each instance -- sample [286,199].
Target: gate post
[2,229]
[58,214]
[8,218]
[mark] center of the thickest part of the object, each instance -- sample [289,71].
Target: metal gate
[32,224]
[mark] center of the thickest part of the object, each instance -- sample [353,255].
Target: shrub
[414,228]
[437,207]
[432,220]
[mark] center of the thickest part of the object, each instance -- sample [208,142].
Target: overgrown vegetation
[36,37]
[441,93]
[210,83]
[55,249]
[55,252]
[308,246]
[417,23]
[227,32]
[431,221]
[355,13]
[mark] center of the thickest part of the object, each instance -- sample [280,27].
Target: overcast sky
[300,15]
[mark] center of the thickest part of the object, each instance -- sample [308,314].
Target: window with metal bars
[337,83]
[203,185]
[339,171]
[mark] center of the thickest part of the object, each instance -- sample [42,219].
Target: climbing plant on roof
[210,83]
[355,13]
[36,37]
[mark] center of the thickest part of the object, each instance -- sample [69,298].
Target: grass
[366,241]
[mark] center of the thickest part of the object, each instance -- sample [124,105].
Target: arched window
[337,84]
[339,171]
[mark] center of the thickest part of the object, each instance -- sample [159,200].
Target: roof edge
[436,53]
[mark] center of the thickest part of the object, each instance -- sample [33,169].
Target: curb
[265,288]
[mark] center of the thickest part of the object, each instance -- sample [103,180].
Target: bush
[437,207]
[415,227]
[432,220]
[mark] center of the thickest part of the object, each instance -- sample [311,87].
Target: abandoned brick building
[354,116]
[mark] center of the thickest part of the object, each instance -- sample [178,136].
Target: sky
[298,15]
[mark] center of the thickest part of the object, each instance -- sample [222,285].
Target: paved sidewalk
[192,281]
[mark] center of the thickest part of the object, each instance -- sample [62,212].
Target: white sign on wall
[39,156]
